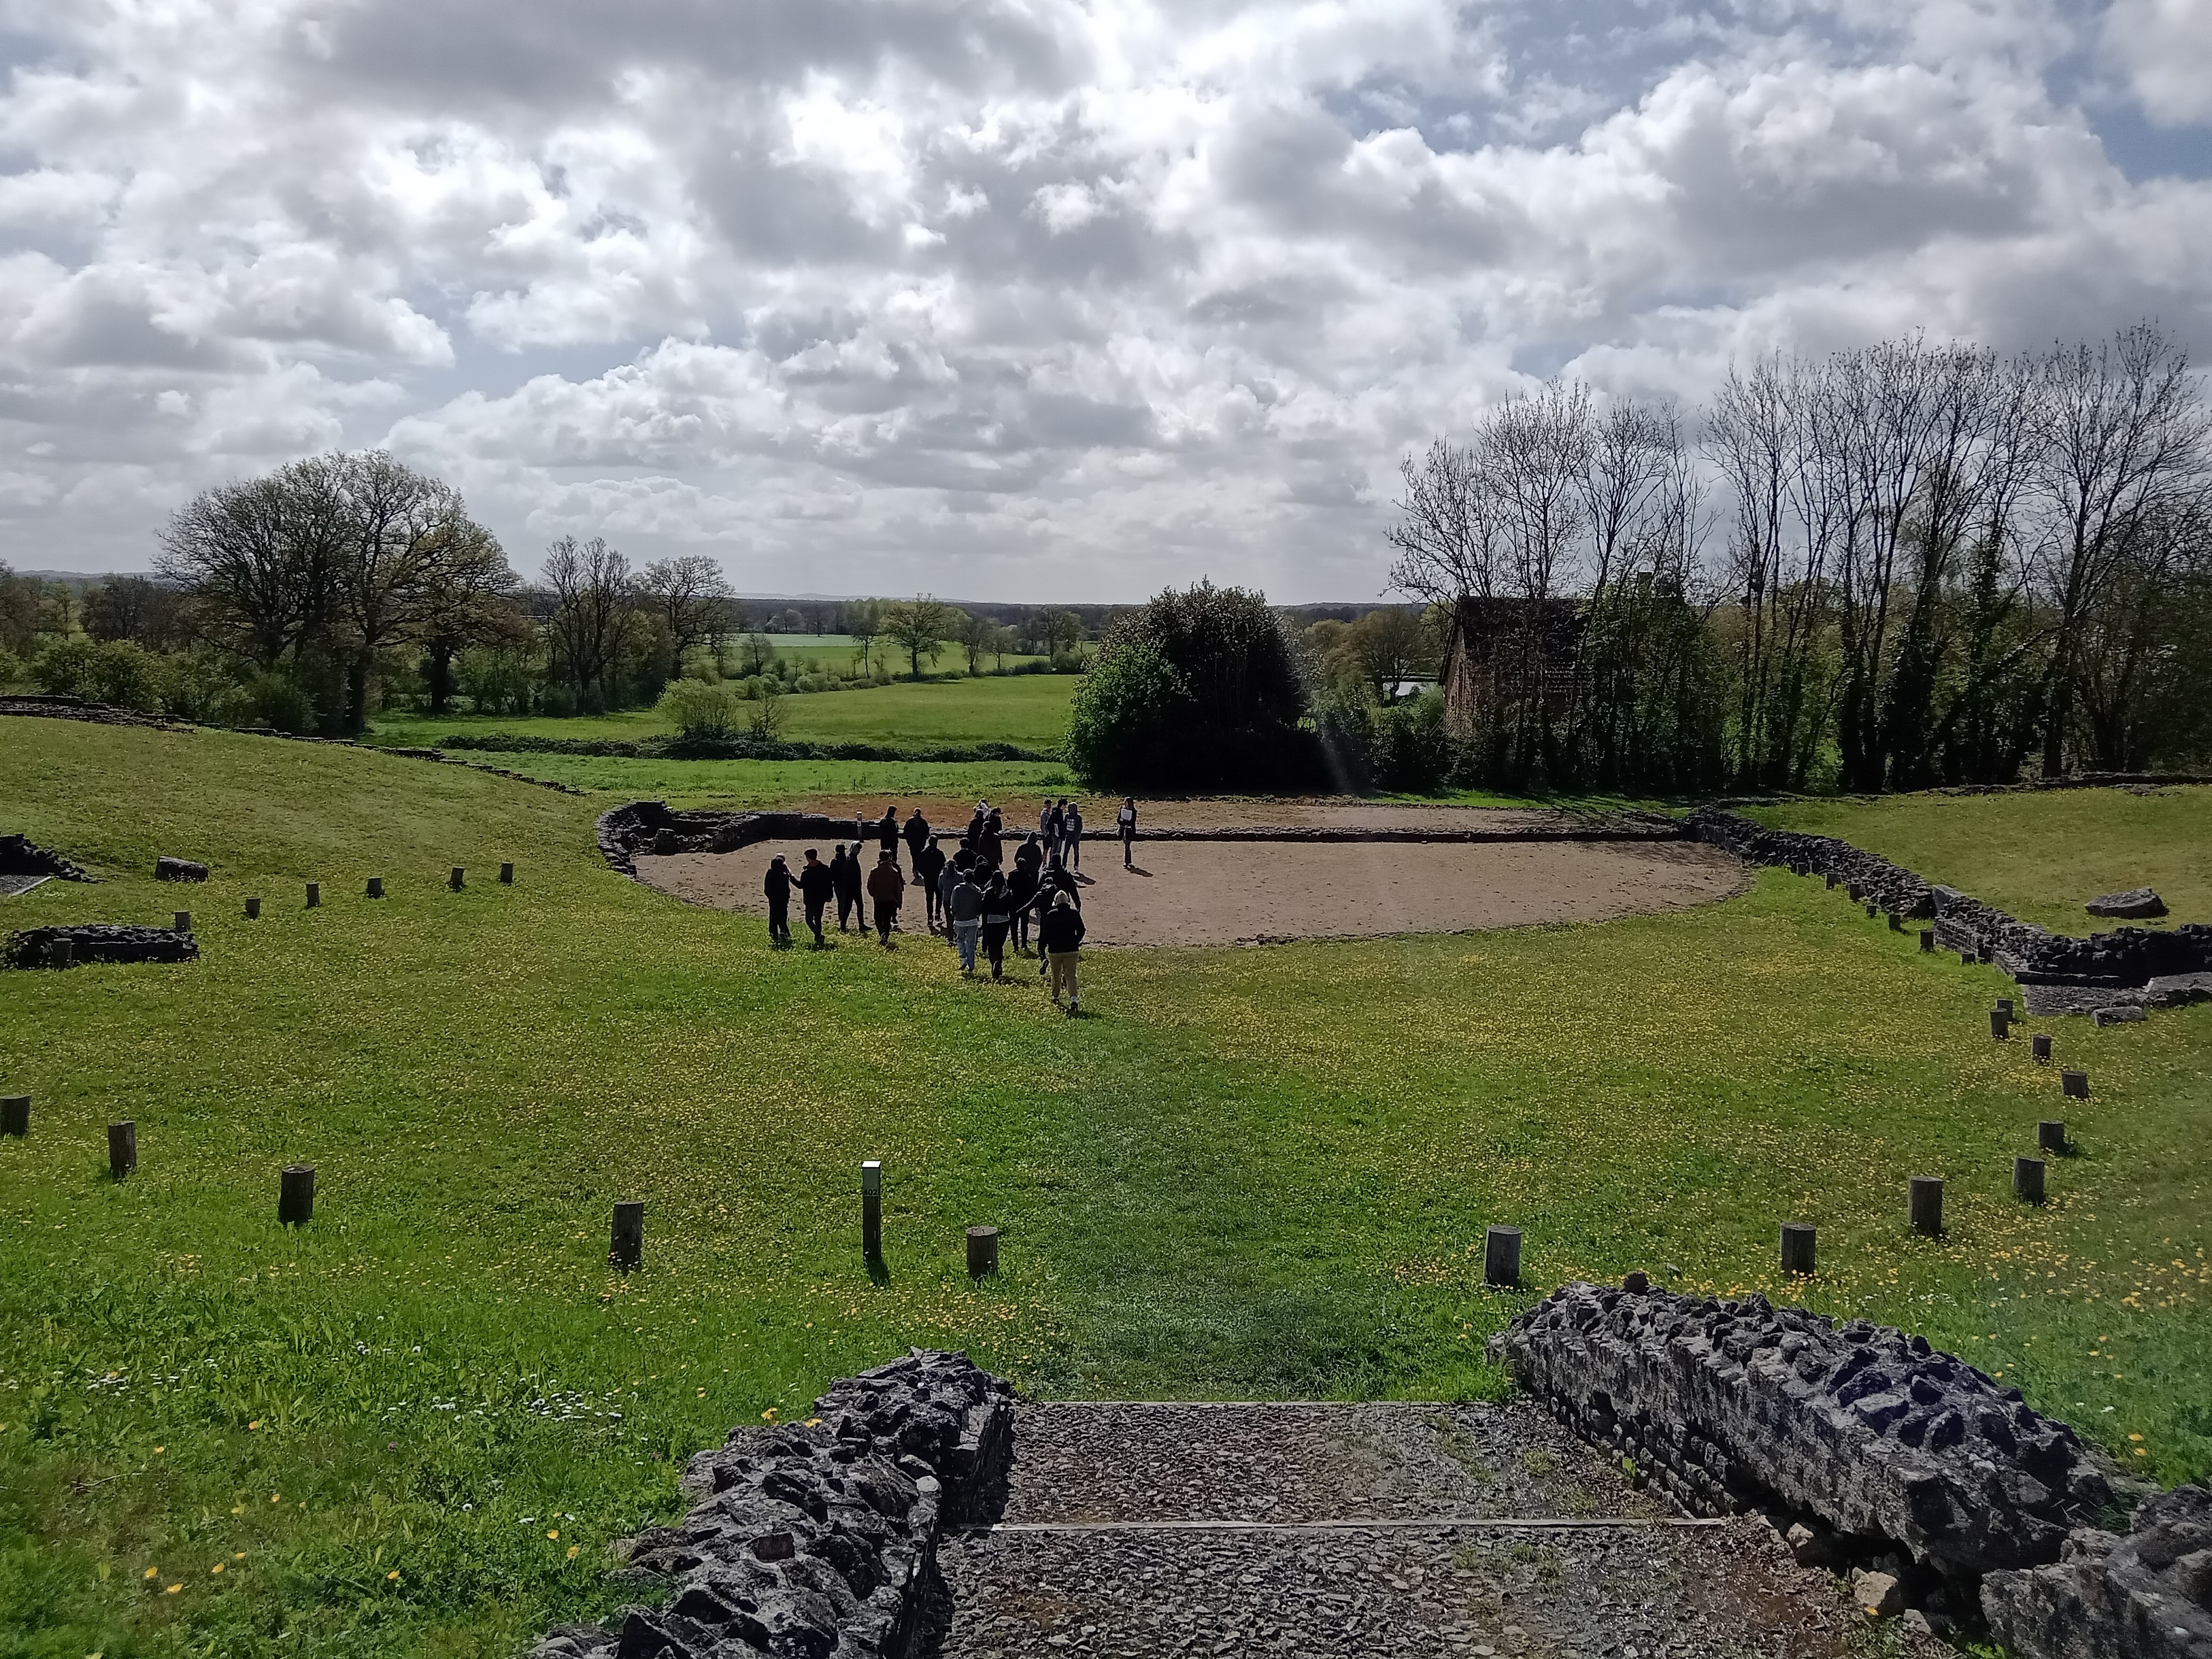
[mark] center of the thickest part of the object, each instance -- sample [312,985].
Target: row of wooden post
[456,881]
[296,1193]
[1924,1199]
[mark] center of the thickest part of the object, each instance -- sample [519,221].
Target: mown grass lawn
[1027,710]
[2041,855]
[1256,1172]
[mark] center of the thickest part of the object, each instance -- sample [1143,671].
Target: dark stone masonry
[98,941]
[25,863]
[168,869]
[1879,1443]
[2058,974]
[2147,1595]
[819,1538]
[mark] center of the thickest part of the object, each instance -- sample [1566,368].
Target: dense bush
[700,711]
[1199,689]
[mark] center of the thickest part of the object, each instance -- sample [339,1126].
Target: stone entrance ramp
[1397,1530]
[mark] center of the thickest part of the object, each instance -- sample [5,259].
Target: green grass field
[1028,710]
[1246,1172]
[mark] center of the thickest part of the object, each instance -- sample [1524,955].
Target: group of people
[975,896]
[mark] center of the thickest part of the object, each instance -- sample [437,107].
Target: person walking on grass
[1059,935]
[964,906]
[777,888]
[998,913]
[1021,894]
[1126,821]
[886,887]
[816,885]
[947,879]
[846,876]
[928,867]
[1073,828]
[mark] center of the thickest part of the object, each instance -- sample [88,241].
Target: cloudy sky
[1015,298]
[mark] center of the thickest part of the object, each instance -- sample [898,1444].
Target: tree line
[301,598]
[1889,568]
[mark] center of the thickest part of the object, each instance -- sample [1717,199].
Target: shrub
[276,698]
[698,710]
[1199,689]
[121,672]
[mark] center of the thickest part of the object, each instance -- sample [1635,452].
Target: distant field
[1029,710]
[2040,855]
[763,783]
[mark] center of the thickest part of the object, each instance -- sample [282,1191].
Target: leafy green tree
[920,627]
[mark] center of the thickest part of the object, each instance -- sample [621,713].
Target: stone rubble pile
[2060,974]
[652,826]
[98,941]
[168,869]
[819,1539]
[2147,1595]
[1886,1445]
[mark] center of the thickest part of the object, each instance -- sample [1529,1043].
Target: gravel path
[1627,1592]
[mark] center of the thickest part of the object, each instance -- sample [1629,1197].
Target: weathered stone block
[2136,904]
[2147,1595]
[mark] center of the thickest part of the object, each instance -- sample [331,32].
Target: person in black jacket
[1060,932]
[1021,892]
[846,876]
[929,870]
[887,834]
[816,885]
[777,888]
[917,834]
[998,912]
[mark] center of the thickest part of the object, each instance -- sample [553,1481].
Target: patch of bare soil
[1287,812]
[1258,891]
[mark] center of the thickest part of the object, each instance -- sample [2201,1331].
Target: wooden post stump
[453,881]
[2051,1137]
[253,909]
[2005,1005]
[1797,1248]
[314,894]
[982,1251]
[1927,940]
[62,953]
[1637,1283]
[122,1149]
[507,875]
[295,1195]
[626,1243]
[1896,922]
[376,887]
[2076,1084]
[183,922]
[1501,1256]
[1832,884]
[15,1115]
[2000,1024]
[872,1210]
[1927,1203]
[2028,1180]
[2040,1042]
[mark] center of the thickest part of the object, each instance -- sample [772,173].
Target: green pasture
[1027,710]
[413,1426]
[2041,855]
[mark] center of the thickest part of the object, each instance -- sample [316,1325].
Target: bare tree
[593,614]
[864,620]
[2122,432]
[691,597]
[403,534]
[1447,535]
[470,603]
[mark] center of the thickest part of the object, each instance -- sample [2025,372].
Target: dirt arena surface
[1257,891]
[1321,811]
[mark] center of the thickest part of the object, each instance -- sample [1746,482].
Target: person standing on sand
[948,878]
[928,866]
[886,887]
[816,884]
[777,888]
[1073,828]
[964,908]
[1125,821]
[845,876]
[1059,935]
[887,834]
[1048,832]
[998,912]
[917,834]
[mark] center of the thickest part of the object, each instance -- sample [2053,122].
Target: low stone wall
[2147,1595]
[2125,959]
[1881,1442]
[21,856]
[820,1537]
[98,941]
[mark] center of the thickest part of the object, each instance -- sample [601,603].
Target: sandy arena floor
[1253,892]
